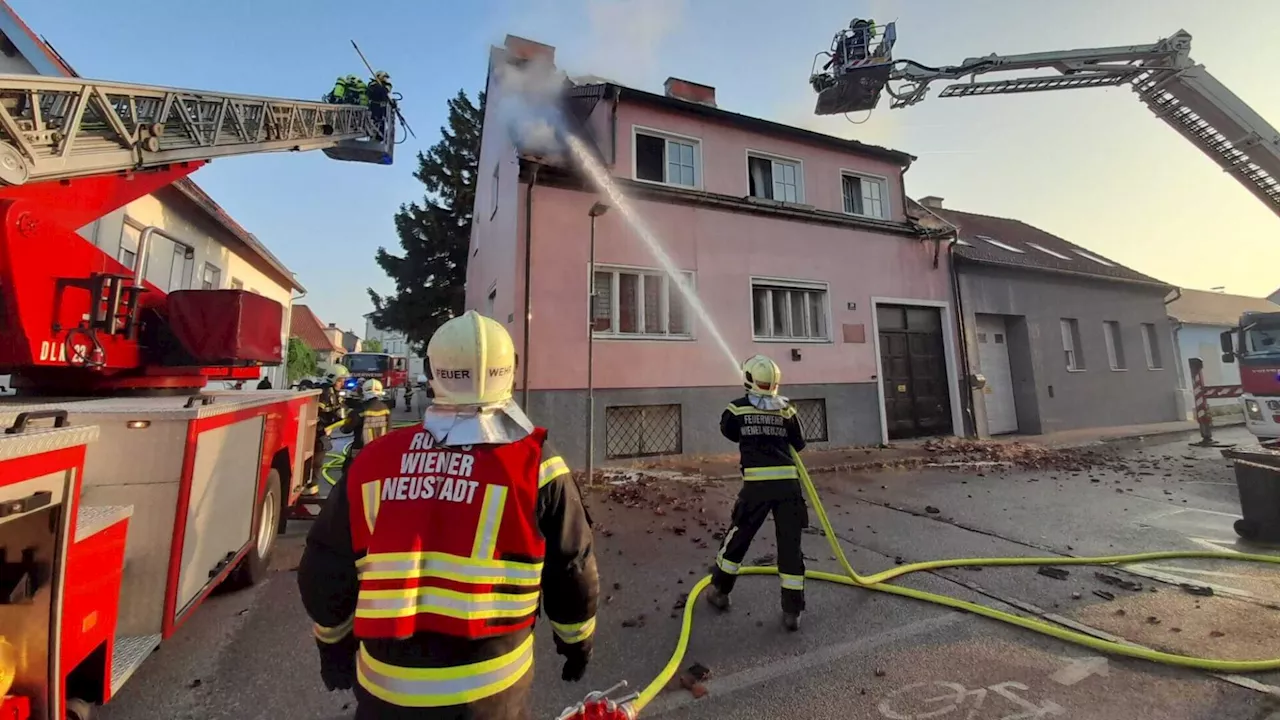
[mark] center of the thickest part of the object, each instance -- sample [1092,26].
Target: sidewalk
[1026,450]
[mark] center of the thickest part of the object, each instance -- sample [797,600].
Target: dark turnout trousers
[790,517]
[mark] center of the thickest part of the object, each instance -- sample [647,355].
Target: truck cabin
[1258,335]
[371,364]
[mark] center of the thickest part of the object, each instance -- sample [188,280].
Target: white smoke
[529,103]
[626,37]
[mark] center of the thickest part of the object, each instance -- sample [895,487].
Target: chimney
[333,325]
[522,49]
[690,91]
[933,202]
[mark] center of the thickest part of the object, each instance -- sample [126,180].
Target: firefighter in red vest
[425,570]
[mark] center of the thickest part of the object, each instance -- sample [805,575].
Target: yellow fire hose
[879,583]
[335,459]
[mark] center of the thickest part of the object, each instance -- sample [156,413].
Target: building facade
[781,241]
[1063,337]
[306,327]
[202,247]
[1199,318]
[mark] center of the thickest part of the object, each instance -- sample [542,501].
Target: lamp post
[596,211]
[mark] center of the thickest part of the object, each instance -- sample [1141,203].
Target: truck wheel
[78,709]
[1246,529]
[253,567]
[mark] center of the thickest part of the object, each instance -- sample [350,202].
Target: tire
[1246,529]
[78,709]
[253,566]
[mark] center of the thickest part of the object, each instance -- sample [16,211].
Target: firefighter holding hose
[426,569]
[764,425]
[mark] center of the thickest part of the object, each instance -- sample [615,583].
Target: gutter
[528,287]
[966,397]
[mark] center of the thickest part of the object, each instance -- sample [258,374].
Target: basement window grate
[633,431]
[812,415]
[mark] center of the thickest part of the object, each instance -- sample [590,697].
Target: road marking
[1216,545]
[1173,578]
[739,681]
[1081,669]
[1194,571]
[957,694]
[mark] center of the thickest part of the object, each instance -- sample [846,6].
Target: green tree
[434,235]
[374,345]
[301,361]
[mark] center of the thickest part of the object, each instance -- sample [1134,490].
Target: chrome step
[129,653]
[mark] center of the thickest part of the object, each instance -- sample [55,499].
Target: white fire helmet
[372,388]
[761,376]
[473,362]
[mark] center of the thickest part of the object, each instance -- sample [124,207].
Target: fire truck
[1255,342]
[128,490]
[392,370]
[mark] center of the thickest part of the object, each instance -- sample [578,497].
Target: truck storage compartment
[224,327]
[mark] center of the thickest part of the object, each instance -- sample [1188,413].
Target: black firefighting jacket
[765,439]
[370,423]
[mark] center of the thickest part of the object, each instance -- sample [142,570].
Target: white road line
[739,681]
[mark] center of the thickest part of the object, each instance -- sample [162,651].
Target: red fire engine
[127,491]
[392,370]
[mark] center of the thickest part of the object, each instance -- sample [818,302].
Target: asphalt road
[860,654]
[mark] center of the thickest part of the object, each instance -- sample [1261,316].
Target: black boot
[791,621]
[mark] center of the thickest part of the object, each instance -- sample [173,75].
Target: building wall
[724,158]
[1097,396]
[395,343]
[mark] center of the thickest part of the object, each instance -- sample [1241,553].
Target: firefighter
[425,571]
[370,421]
[341,92]
[379,98]
[764,425]
[408,394]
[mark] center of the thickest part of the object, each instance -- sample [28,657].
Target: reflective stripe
[381,604]
[372,499]
[551,469]
[575,632]
[792,582]
[786,412]
[331,635]
[727,565]
[398,566]
[495,499]
[777,472]
[440,687]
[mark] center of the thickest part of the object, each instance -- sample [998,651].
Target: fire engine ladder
[56,128]
[1178,91]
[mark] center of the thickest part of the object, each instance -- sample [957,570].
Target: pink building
[796,243]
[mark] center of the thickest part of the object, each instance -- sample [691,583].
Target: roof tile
[1199,307]
[304,325]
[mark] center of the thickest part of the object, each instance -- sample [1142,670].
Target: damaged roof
[1012,243]
[1200,307]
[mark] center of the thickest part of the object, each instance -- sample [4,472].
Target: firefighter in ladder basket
[425,571]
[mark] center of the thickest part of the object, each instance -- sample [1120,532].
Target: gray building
[1064,337]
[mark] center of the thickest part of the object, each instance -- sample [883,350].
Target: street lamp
[596,211]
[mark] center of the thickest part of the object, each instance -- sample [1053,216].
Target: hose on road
[335,459]
[879,582]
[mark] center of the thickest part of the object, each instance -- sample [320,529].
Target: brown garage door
[914,371]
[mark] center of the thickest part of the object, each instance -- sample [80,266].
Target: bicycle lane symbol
[927,700]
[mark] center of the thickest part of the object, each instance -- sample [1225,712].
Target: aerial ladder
[149,491]
[1179,91]
[72,150]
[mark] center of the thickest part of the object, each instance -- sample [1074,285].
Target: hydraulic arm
[1177,89]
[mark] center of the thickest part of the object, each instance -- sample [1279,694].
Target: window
[127,253]
[644,303]
[775,178]
[497,167]
[1071,344]
[864,195]
[490,301]
[671,160]
[1151,346]
[1047,251]
[997,243]
[237,284]
[1094,258]
[790,311]
[1115,344]
[210,277]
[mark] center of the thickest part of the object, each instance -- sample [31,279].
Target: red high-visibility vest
[450,535]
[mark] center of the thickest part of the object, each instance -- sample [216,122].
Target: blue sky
[1093,166]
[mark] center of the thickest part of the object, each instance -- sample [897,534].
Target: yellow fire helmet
[761,376]
[473,361]
[371,387]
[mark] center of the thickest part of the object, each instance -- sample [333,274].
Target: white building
[394,343]
[213,252]
[1198,319]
